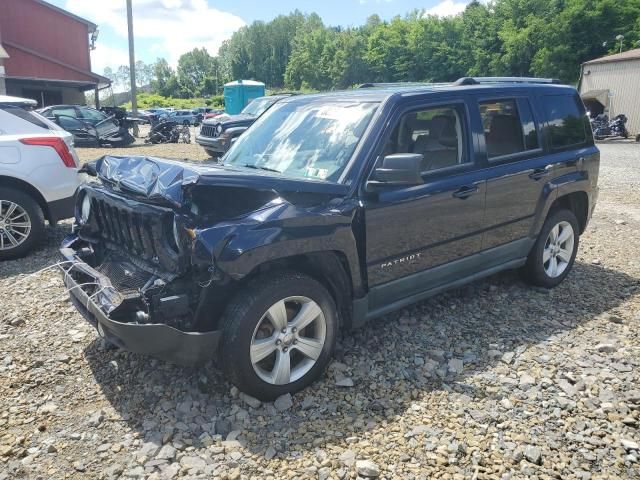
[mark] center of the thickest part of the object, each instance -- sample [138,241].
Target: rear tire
[21,223]
[554,252]
[278,334]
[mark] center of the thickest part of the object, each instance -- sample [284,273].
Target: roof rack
[398,84]
[481,80]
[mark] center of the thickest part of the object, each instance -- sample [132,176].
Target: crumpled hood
[164,181]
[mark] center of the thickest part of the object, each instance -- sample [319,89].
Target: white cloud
[107,56]
[175,26]
[447,8]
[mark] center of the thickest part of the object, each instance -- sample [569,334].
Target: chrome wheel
[288,340]
[15,225]
[558,249]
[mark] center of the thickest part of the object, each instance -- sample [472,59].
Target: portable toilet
[239,93]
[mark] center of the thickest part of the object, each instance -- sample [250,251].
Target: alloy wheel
[15,225]
[558,249]
[288,340]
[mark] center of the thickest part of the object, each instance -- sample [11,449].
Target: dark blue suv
[331,210]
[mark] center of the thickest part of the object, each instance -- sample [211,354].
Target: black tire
[241,319]
[534,270]
[213,154]
[36,217]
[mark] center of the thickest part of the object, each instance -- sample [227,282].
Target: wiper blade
[258,167]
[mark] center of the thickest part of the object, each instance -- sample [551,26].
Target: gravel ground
[494,380]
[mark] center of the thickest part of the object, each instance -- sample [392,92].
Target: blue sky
[168,28]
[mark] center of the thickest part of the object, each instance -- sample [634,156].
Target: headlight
[85,209]
[219,129]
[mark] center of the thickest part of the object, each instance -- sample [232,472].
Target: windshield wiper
[258,167]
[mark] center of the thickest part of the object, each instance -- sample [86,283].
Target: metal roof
[617,57]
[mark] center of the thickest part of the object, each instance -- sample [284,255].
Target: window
[436,133]
[67,112]
[508,126]
[566,119]
[304,138]
[31,117]
[91,114]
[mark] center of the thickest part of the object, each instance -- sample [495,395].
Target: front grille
[124,276]
[208,131]
[129,230]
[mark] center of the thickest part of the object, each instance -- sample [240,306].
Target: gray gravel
[493,380]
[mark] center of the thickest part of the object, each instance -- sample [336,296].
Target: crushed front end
[127,271]
[160,247]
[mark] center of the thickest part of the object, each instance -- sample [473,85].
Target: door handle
[575,162]
[538,173]
[465,192]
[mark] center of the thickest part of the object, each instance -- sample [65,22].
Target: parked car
[80,112]
[215,112]
[91,127]
[333,209]
[183,117]
[217,134]
[38,176]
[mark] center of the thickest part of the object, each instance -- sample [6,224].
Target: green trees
[548,38]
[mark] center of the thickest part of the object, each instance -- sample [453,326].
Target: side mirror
[397,169]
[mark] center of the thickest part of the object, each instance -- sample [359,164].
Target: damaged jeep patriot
[331,210]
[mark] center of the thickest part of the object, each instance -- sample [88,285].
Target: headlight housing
[219,128]
[85,209]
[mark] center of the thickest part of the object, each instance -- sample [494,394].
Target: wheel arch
[578,203]
[26,187]
[330,268]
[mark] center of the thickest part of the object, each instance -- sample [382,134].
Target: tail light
[57,143]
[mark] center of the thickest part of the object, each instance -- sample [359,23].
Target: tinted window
[566,120]
[92,114]
[68,111]
[30,117]
[435,133]
[508,127]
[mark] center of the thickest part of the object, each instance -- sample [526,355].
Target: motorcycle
[169,132]
[163,132]
[603,128]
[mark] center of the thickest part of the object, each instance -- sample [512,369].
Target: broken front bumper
[155,339]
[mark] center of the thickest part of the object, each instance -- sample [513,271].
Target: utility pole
[132,68]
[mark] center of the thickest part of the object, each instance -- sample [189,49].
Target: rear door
[517,166]
[411,230]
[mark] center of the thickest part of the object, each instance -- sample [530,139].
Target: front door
[410,230]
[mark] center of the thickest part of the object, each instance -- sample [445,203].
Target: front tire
[21,223]
[554,252]
[278,334]
[213,154]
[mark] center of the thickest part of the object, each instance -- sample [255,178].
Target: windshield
[258,106]
[297,139]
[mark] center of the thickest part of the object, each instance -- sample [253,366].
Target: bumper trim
[157,339]
[211,143]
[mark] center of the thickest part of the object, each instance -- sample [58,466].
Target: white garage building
[611,85]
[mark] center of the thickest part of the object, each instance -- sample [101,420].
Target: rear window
[566,120]
[30,117]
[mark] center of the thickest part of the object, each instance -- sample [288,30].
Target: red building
[45,53]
